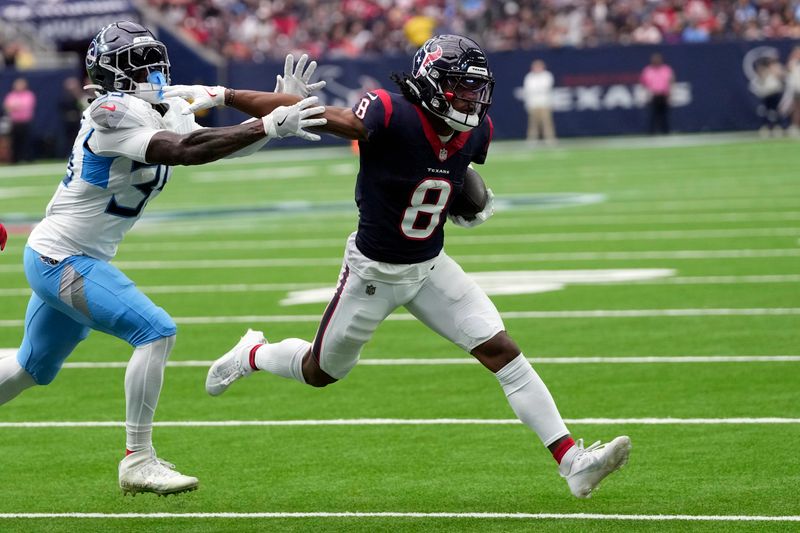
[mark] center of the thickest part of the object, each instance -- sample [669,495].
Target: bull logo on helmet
[430,57]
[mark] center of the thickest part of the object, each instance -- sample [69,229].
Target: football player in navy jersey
[414,148]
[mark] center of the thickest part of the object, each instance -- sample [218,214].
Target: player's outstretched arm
[341,121]
[209,144]
[203,145]
[290,88]
[294,82]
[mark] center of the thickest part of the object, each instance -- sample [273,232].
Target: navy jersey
[408,178]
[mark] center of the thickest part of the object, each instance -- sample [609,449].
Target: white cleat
[585,468]
[234,364]
[144,472]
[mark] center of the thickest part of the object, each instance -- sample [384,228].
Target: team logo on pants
[370,290]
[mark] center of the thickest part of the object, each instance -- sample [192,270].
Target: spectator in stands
[17,55]
[647,33]
[793,87]
[248,29]
[768,85]
[538,94]
[669,22]
[657,79]
[9,52]
[20,106]
[695,33]
[744,12]
[419,29]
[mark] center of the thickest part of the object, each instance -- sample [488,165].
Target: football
[472,198]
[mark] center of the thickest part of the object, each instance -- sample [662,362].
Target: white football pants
[437,292]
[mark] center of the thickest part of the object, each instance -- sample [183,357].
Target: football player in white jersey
[130,137]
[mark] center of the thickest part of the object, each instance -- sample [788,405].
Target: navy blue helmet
[451,78]
[126,57]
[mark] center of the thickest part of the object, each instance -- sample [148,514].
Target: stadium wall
[597,91]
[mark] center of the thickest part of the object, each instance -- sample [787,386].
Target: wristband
[230,94]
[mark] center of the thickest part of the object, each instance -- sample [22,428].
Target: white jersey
[108,180]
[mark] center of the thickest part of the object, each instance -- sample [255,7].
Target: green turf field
[655,288]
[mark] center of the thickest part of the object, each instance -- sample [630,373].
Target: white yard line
[279,287]
[447,361]
[410,422]
[402,317]
[274,173]
[638,202]
[26,191]
[297,262]
[180,289]
[723,280]
[487,516]
[589,236]
[623,219]
[342,222]
[586,360]
[41,169]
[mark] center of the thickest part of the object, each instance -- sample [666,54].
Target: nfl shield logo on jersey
[443,154]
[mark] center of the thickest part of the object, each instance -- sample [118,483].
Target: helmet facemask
[468,98]
[141,69]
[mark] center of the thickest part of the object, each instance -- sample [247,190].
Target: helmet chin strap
[455,119]
[460,126]
[461,121]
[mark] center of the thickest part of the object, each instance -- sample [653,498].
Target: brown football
[472,198]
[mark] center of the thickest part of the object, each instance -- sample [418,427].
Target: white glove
[288,121]
[200,96]
[480,218]
[296,82]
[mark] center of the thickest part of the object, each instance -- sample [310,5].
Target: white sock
[13,379]
[531,401]
[143,379]
[283,359]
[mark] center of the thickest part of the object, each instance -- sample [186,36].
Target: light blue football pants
[72,296]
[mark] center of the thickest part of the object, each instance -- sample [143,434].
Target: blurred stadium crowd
[42,98]
[262,29]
